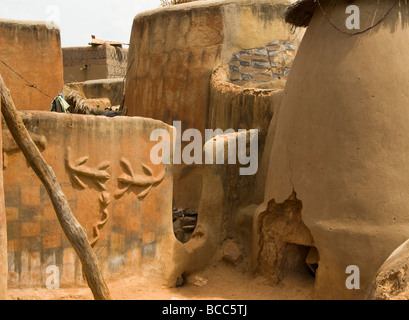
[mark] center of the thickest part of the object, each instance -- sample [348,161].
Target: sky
[79,19]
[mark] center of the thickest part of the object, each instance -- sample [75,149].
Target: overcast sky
[79,19]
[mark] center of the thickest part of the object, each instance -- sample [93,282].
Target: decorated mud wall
[268,63]
[173,52]
[103,165]
[330,191]
[94,62]
[122,200]
[33,51]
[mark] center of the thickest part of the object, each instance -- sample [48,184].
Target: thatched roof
[79,104]
[300,13]
[76,100]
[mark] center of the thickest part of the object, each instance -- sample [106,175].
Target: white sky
[79,19]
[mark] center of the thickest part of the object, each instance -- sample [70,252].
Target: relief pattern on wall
[117,232]
[264,64]
[129,182]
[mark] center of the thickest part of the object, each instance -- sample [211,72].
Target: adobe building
[331,191]
[31,56]
[174,51]
[100,60]
[122,200]
[341,141]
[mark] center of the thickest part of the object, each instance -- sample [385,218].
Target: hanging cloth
[59,105]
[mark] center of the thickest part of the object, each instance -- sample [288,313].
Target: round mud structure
[342,140]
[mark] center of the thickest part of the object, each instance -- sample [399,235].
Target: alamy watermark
[353,281]
[354,20]
[193,153]
[53,281]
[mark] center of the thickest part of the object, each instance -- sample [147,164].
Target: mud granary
[331,132]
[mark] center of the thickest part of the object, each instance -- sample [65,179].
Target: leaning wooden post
[71,227]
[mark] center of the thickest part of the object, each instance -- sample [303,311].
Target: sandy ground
[223,283]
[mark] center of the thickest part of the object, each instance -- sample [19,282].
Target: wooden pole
[71,227]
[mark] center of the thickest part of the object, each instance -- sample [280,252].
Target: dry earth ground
[223,283]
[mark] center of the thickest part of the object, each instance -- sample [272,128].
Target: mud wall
[224,223]
[341,142]
[94,62]
[240,107]
[173,52]
[34,52]
[122,200]
[283,241]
